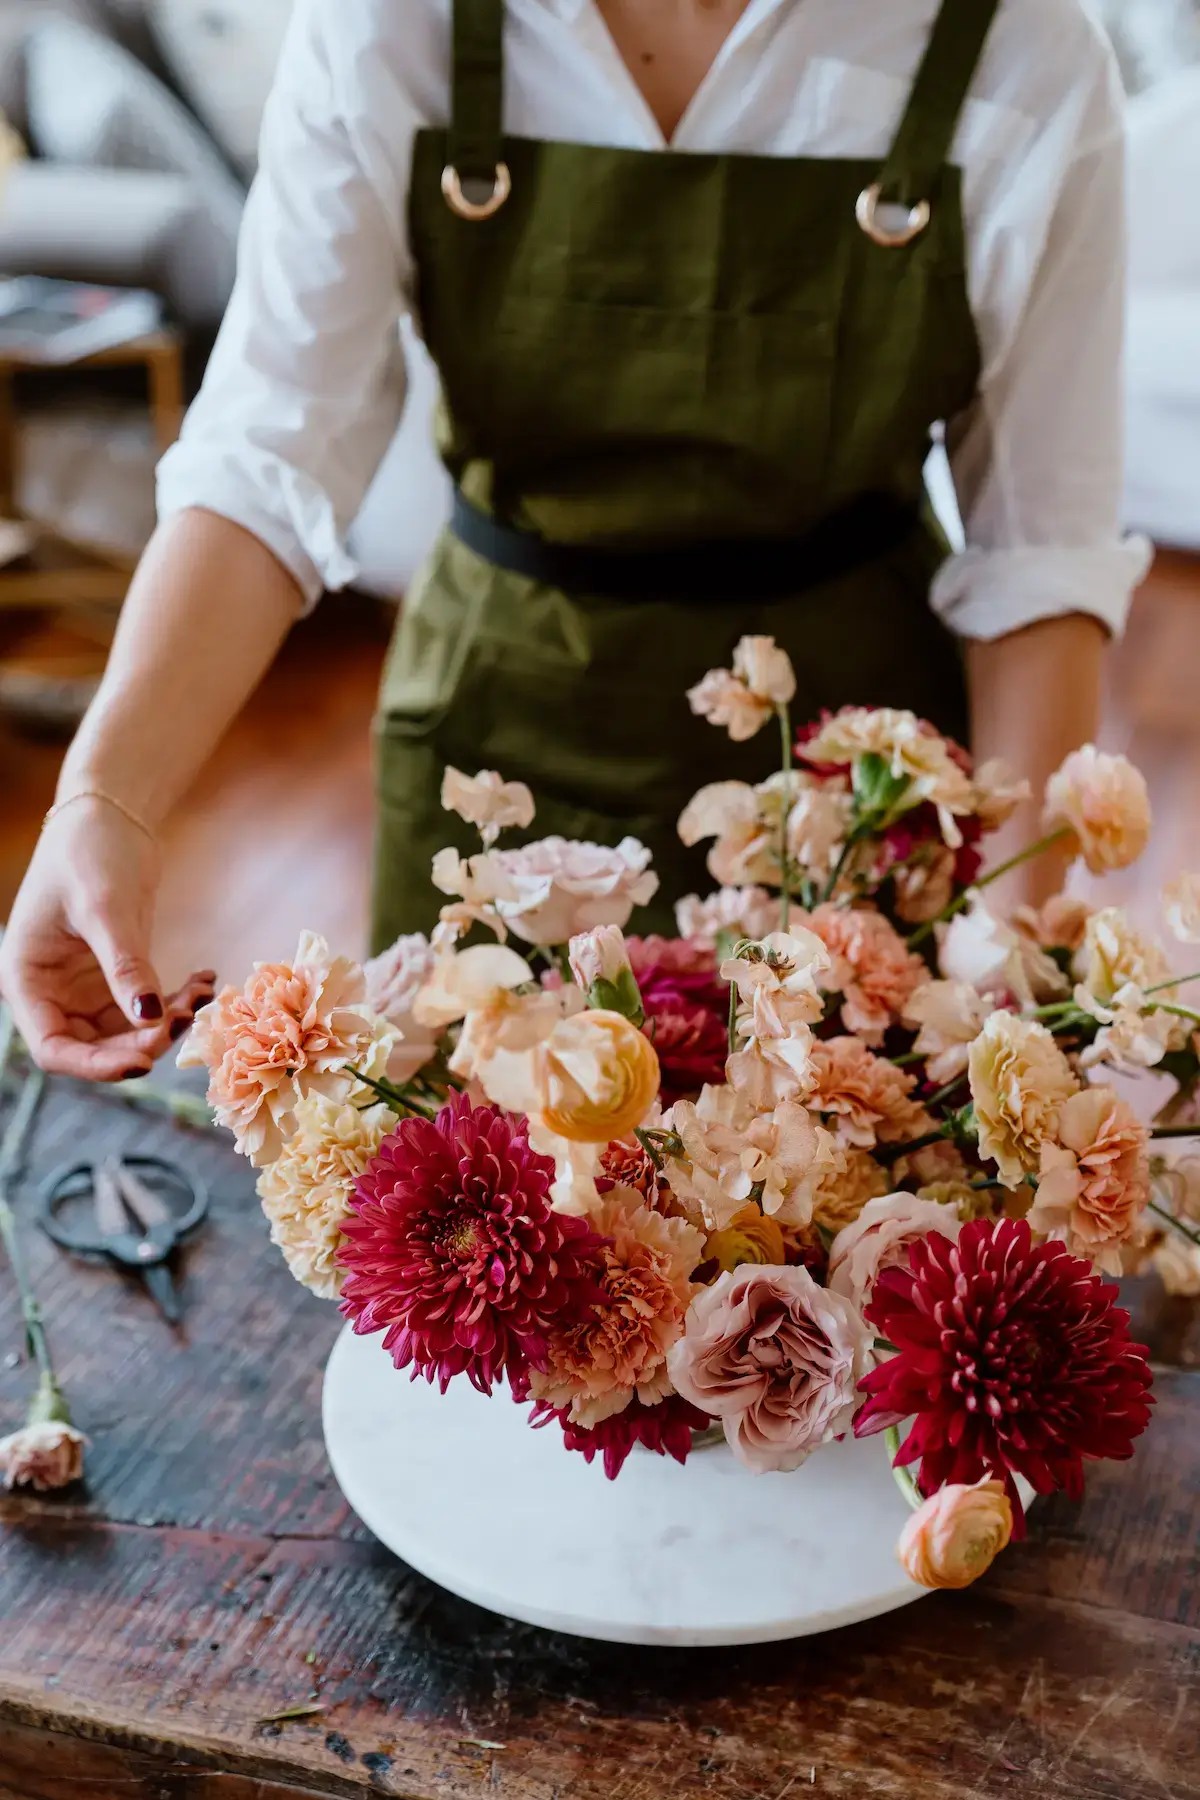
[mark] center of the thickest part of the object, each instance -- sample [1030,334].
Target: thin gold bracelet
[126,812]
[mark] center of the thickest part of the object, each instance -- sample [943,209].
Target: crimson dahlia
[454,1252]
[1011,1358]
[666,1429]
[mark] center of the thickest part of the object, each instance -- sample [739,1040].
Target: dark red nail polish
[147,1009]
[202,1001]
[178,1028]
[134,1074]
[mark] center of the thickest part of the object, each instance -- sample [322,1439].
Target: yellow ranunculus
[749,1237]
[597,1078]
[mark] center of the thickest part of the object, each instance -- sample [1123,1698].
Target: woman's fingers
[119,942]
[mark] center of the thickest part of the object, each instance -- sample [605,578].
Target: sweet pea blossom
[950,1014]
[743,698]
[487,802]
[732,1152]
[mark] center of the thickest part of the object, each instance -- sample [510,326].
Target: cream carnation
[1116,956]
[910,748]
[1019,1080]
[1102,802]
[295,1029]
[1095,1178]
[306,1191]
[845,1191]
[881,1238]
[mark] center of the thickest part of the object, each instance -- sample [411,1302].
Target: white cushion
[90,102]
[409,501]
[1164,182]
[127,227]
[222,55]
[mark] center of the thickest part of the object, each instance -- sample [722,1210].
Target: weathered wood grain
[210,1576]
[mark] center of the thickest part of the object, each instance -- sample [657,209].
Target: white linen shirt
[306,385]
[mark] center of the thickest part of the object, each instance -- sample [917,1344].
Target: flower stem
[1161,987]
[1178,1225]
[393,1096]
[12,1149]
[783,712]
[1180,1012]
[902,1475]
[839,867]
[1005,868]
[890,1153]
[733,1012]
[1175,1131]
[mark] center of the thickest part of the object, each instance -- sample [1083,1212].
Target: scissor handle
[75,1180]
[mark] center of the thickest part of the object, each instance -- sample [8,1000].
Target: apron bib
[644,352]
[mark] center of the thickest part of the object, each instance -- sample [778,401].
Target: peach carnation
[306,1191]
[1019,1079]
[957,1534]
[1102,802]
[873,968]
[869,1098]
[294,1029]
[1059,924]
[1095,1178]
[845,1191]
[618,1351]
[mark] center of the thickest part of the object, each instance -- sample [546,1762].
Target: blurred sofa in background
[142,118]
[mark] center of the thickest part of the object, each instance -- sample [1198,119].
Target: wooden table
[211,1576]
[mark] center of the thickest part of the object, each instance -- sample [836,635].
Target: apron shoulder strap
[477,90]
[926,135]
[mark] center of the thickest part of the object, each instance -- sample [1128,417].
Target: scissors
[142,1207]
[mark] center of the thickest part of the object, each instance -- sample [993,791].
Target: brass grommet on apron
[466,208]
[867,214]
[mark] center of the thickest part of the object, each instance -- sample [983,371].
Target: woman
[701,276]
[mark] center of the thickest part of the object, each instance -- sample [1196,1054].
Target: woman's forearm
[1035,696]
[207,611]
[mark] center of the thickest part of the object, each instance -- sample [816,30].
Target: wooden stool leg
[166,394]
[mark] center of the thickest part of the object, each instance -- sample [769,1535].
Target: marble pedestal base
[463,1490]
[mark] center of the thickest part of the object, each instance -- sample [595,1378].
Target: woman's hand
[75,962]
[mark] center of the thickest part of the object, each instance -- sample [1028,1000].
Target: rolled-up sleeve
[1038,460]
[306,384]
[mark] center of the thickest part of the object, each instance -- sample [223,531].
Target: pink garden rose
[551,891]
[394,979]
[881,1238]
[777,1359]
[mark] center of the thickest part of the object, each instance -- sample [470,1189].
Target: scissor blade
[147,1207]
[111,1218]
[164,1293]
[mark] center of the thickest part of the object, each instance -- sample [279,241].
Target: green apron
[642,349]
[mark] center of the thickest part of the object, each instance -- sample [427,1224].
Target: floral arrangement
[842,1156]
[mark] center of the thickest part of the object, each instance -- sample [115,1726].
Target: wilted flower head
[1019,1080]
[45,1456]
[487,801]
[1102,801]
[957,1535]
[294,1029]
[776,1358]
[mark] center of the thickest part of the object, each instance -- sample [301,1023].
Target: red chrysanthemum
[454,1251]
[666,1429]
[687,1008]
[1011,1358]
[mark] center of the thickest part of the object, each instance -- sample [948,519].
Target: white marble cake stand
[464,1491]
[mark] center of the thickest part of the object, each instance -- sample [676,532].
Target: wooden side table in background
[62,571]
